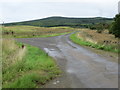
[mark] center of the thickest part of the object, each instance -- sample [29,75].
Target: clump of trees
[115,27]
[99,27]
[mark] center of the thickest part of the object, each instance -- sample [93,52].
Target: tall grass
[27,67]
[80,41]
[9,52]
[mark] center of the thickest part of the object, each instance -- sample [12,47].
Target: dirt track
[81,67]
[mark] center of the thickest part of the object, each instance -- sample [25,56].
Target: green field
[27,67]
[33,31]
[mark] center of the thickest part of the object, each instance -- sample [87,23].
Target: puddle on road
[52,52]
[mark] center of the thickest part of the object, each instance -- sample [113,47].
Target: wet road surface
[81,68]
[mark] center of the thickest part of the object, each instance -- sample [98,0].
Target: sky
[23,10]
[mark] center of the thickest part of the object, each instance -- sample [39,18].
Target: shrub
[115,27]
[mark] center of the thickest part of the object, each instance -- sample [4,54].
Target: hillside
[63,21]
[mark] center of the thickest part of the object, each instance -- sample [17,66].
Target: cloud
[22,10]
[99,1]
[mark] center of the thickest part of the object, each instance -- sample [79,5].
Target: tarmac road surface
[81,67]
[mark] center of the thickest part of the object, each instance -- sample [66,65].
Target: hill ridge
[62,21]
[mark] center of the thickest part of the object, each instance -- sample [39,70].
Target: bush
[115,27]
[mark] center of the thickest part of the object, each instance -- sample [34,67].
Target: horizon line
[54,16]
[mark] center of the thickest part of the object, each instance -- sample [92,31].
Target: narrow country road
[81,68]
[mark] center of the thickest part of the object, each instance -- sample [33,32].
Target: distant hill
[63,21]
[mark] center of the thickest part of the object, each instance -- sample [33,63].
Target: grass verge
[33,70]
[80,41]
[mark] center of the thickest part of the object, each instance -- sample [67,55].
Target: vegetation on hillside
[63,21]
[25,66]
[115,27]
